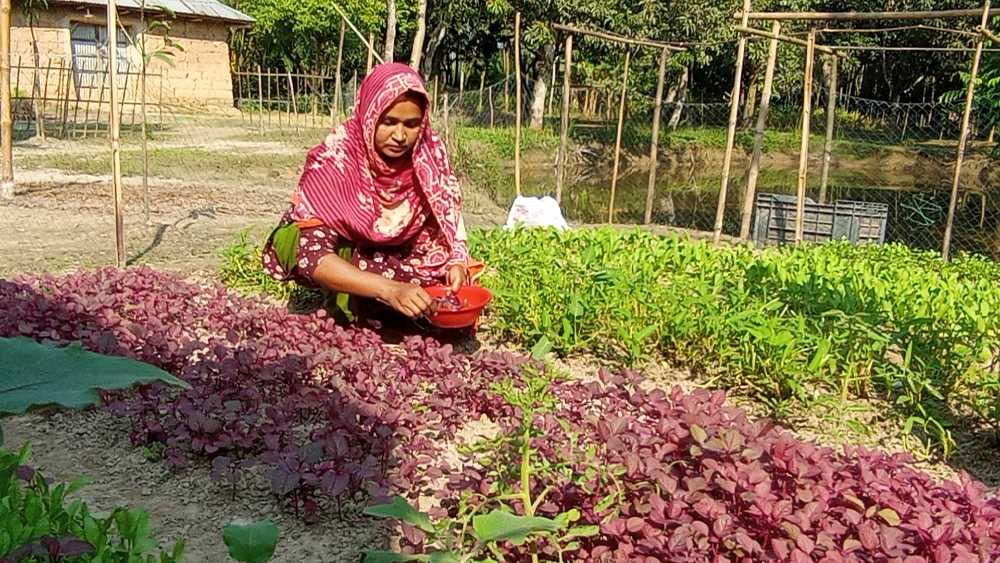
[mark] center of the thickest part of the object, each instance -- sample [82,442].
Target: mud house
[70,40]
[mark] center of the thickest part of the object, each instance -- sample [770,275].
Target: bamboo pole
[69,85]
[783,38]
[368,43]
[293,104]
[506,82]
[6,115]
[143,69]
[435,94]
[618,139]
[864,16]
[116,165]
[337,88]
[517,118]
[964,138]
[371,53]
[552,86]
[40,115]
[489,93]
[445,117]
[482,86]
[654,143]
[616,38]
[564,121]
[461,83]
[734,112]
[831,121]
[260,99]
[750,194]
[800,196]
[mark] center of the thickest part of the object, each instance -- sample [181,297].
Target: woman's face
[399,128]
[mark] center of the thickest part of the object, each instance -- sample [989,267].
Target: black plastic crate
[858,222]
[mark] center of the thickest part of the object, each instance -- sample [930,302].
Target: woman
[380,184]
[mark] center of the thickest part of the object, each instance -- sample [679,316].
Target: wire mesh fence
[57,98]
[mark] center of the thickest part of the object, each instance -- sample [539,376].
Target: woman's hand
[456,277]
[407,298]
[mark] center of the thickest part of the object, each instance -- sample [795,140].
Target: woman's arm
[336,274]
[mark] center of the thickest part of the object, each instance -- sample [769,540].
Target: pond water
[687,199]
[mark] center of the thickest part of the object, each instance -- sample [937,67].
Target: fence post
[734,112]
[337,89]
[6,114]
[116,164]
[564,121]
[618,138]
[964,135]
[758,138]
[517,127]
[260,99]
[831,121]
[654,143]
[807,80]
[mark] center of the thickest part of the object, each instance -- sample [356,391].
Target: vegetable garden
[510,456]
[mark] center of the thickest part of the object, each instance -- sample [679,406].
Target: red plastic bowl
[473,298]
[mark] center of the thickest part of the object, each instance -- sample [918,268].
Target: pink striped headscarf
[346,183]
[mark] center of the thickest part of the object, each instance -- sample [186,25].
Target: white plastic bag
[536,212]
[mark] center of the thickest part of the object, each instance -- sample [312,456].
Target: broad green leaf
[36,375]
[401,510]
[286,245]
[251,543]
[499,526]
[541,348]
[390,557]
[444,557]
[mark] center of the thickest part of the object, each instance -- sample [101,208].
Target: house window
[89,45]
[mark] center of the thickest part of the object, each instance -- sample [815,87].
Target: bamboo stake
[293,105]
[492,122]
[800,196]
[482,86]
[337,88]
[461,83]
[371,37]
[260,98]
[40,115]
[616,38]
[552,85]
[116,165]
[831,121]
[143,69]
[371,53]
[734,112]
[6,115]
[435,94]
[564,121]
[618,139]
[69,85]
[654,143]
[517,127]
[506,82]
[964,139]
[447,131]
[865,16]
[159,102]
[750,195]
[783,38]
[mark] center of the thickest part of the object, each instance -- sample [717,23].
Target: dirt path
[186,505]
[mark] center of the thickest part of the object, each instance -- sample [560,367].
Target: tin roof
[209,9]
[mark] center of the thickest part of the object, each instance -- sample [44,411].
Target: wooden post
[6,117]
[445,116]
[337,89]
[552,85]
[750,195]
[461,83]
[435,94]
[618,138]
[807,80]
[506,82]
[482,86]
[260,98]
[69,86]
[654,143]
[734,113]
[159,102]
[564,121]
[371,52]
[116,164]
[40,115]
[831,121]
[964,138]
[517,86]
[492,121]
[293,104]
